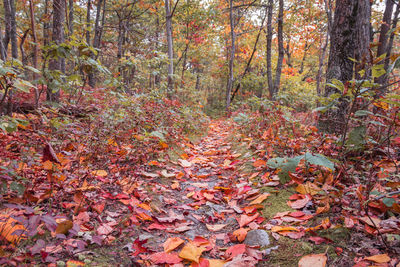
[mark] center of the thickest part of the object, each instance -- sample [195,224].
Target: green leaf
[23,85]
[158,134]
[357,136]
[286,165]
[378,71]
[319,160]
[362,112]
[388,201]
[14,186]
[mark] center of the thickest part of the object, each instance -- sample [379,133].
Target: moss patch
[276,202]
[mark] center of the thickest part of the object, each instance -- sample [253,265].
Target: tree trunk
[88,8]
[3,55]
[70,17]
[7,18]
[231,55]
[34,38]
[97,38]
[53,94]
[349,39]
[281,52]
[168,17]
[269,48]
[11,27]
[46,23]
[391,39]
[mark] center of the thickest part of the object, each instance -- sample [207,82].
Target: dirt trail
[202,199]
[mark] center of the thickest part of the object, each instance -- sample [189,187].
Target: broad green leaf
[362,112]
[388,201]
[378,71]
[320,160]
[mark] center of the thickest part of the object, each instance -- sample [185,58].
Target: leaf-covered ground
[138,196]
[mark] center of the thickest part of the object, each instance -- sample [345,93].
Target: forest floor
[201,203]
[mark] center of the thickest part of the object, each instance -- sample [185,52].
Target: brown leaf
[381,258]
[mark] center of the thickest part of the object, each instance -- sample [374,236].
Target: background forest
[106,103]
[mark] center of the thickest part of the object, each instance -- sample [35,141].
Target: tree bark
[281,51]
[97,37]
[349,39]
[269,48]
[7,18]
[168,17]
[89,6]
[46,23]
[57,38]
[231,55]
[391,39]
[11,28]
[70,17]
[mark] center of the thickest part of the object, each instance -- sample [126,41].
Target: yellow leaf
[191,252]
[101,173]
[172,243]
[380,258]
[284,228]
[308,188]
[260,199]
[314,260]
[74,263]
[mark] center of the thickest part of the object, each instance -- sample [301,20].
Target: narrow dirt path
[203,209]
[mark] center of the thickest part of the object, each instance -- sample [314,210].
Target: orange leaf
[74,263]
[381,258]
[8,226]
[191,252]
[172,243]
[259,163]
[245,219]
[101,173]
[64,226]
[240,234]
[260,199]
[314,260]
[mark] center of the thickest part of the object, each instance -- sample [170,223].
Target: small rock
[257,238]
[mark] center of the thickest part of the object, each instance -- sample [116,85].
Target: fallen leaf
[166,174]
[245,219]
[172,243]
[235,250]
[74,263]
[215,227]
[184,163]
[240,234]
[260,199]
[104,229]
[9,227]
[191,252]
[300,203]
[381,258]
[101,173]
[163,257]
[64,226]
[313,260]
[259,163]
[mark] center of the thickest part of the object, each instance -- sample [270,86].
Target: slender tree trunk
[168,17]
[321,60]
[53,94]
[96,39]
[71,17]
[88,8]
[391,39]
[281,51]
[7,18]
[306,47]
[383,35]
[269,48]
[34,38]
[3,55]
[46,23]
[231,55]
